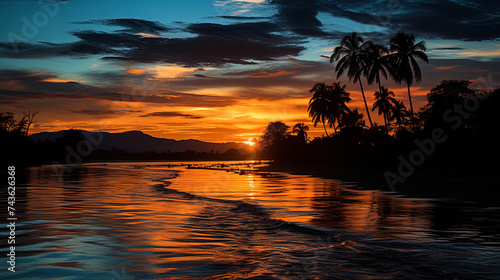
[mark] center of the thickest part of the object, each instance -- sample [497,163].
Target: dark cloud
[298,74]
[200,76]
[243,17]
[462,20]
[214,45]
[466,20]
[449,49]
[366,12]
[36,86]
[49,50]
[175,98]
[250,31]
[131,25]
[41,81]
[107,77]
[171,114]
[94,112]
[300,16]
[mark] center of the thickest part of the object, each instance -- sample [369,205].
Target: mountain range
[137,141]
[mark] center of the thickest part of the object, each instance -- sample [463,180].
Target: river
[153,221]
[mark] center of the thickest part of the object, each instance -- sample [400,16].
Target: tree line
[467,116]
[349,141]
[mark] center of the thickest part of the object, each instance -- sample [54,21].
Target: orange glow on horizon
[250,142]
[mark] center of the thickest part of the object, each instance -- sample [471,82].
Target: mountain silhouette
[137,142]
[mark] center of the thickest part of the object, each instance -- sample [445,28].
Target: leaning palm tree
[352,57]
[384,101]
[301,130]
[318,104]
[399,114]
[404,51]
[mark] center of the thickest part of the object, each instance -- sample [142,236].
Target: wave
[251,214]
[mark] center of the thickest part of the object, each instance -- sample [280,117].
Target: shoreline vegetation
[449,148]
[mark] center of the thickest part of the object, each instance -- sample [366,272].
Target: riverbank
[457,182]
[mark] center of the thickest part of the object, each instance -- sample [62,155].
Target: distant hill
[137,141]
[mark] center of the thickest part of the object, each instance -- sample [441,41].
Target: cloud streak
[132,25]
[170,114]
[213,45]
[33,85]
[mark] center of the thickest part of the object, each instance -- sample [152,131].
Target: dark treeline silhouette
[453,137]
[15,147]
[466,118]
[19,150]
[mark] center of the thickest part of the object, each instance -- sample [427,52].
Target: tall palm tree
[384,101]
[318,104]
[404,51]
[378,63]
[301,130]
[399,114]
[352,57]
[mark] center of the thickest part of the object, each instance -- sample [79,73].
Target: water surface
[150,221]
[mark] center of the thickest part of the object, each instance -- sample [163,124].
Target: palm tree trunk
[334,128]
[324,126]
[379,85]
[366,104]
[411,107]
[385,119]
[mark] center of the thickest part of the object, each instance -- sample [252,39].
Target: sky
[218,70]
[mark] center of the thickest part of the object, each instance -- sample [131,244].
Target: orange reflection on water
[134,217]
[311,200]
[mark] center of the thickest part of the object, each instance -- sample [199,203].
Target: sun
[250,142]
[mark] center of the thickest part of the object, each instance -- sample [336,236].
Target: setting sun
[250,142]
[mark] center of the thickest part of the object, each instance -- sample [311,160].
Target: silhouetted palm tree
[318,104]
[399,114]
[352,56]
[337,105]
[353,119]
[404,51]
[378,63]
[384,101]
[301,130]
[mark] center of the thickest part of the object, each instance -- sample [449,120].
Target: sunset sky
[218,70]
